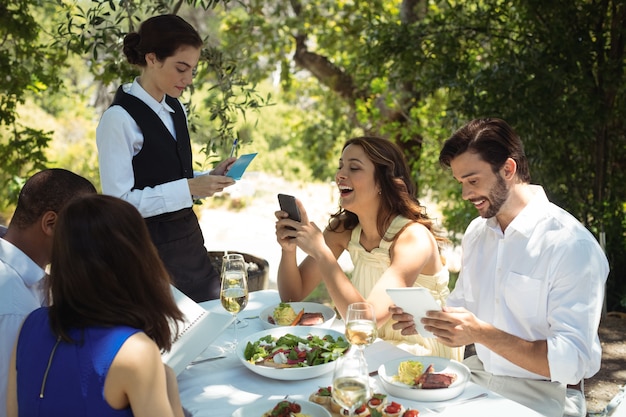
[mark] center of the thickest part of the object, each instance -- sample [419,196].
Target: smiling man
[531,286]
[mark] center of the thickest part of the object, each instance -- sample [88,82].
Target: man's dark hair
[493,140]
[48,190]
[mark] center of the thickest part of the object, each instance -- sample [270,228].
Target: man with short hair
[25,251]
[531,286]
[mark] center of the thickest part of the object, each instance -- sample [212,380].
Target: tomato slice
[394,407]
[375,401]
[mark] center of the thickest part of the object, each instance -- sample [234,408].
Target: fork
[206,360]
[442,408]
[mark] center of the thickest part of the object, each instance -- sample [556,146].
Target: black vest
[162,158]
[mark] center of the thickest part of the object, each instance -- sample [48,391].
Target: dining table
[218,387]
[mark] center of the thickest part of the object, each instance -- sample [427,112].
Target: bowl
[289,374]
[328,313]
[388,370]
[259,407]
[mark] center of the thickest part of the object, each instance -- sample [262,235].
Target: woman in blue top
[96,351]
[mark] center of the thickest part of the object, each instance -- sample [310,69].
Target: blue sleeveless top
[74,382]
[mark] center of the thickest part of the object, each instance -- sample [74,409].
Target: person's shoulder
[336,234]
[115,111]
[36,318]
[568,225]
[137,350]
[414,230]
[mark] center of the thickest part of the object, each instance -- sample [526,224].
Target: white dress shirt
[542,279]
[119,139]
[20,294]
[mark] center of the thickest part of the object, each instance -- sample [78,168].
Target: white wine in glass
[361,327]
[351,387]
[234,291]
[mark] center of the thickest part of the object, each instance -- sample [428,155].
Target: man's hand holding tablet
[415,301]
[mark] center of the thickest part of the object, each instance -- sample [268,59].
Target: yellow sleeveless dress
[369,267]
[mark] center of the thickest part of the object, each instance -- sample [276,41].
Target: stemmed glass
[351,387]
[361,329]
[234,290]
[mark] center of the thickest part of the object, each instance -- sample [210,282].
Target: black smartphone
[288,204]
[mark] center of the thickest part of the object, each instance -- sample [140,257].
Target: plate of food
[424,378]
[292,353]
[297,314]
[281,408]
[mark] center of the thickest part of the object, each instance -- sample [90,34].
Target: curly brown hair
[398,191]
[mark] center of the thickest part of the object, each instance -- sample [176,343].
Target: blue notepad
[240,165]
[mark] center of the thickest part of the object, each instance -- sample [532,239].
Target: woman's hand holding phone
[284,233]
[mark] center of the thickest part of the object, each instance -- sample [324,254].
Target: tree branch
[325,71]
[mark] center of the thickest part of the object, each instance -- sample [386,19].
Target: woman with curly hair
[390,239]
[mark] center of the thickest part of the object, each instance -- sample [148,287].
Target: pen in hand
[232,150]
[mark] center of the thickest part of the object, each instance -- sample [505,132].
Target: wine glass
[234,290]
[361,327]
[351,387]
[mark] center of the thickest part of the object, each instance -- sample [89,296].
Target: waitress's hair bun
[161,35]
[133,55]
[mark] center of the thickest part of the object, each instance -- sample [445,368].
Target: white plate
[289,374]
[388,370]
[327,312]
[259,407]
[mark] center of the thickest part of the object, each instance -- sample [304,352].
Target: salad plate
[259,407]
[388,375]
[292,353]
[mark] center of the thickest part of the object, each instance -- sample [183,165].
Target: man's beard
[497,197]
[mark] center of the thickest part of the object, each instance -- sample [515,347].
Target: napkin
[381,352]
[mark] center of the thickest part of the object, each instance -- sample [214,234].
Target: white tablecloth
[219,387]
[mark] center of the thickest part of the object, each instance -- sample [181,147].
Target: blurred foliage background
[294,79]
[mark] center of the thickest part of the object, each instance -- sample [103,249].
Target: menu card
[196,332]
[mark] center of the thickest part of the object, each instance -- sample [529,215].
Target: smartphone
[288,204]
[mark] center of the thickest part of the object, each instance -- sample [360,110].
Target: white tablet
[415,301]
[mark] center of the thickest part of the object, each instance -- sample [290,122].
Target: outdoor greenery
[294,79]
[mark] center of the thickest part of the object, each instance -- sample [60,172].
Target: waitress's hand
[223,167]
[207,185]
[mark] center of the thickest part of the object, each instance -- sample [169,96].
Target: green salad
[290,351]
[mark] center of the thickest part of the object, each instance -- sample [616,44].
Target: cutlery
[441,409]
[207,360]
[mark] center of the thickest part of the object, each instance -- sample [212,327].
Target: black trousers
[180,243]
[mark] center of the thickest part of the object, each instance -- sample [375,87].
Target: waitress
[145,156]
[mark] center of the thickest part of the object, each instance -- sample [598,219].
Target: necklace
[45,375]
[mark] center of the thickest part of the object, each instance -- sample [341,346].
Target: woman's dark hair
[105,271]
[162,35]
[493,140]
[398,191]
